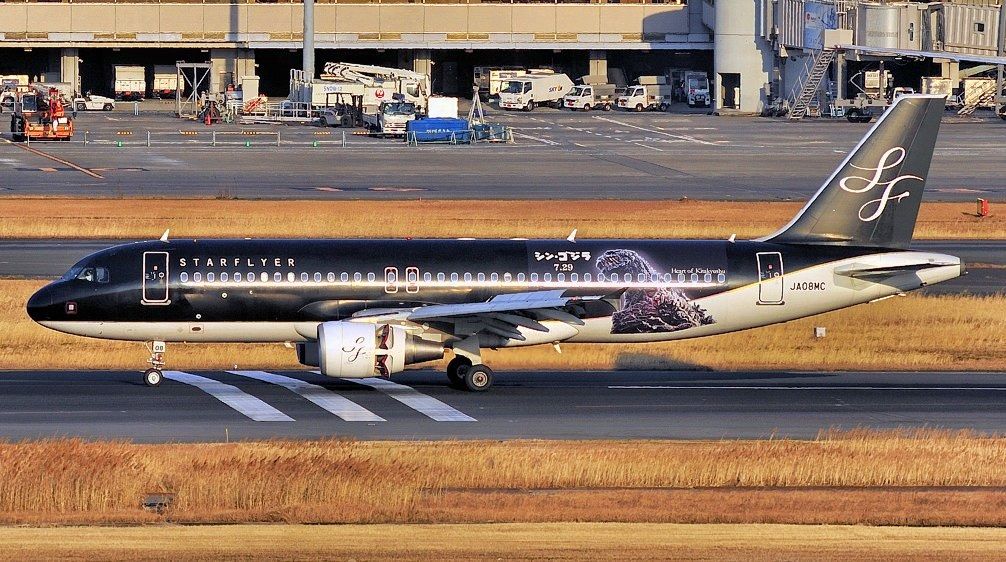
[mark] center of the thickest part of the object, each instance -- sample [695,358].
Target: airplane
[365,308]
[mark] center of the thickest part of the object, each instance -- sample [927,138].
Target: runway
[558,155]
[217,406]
[48,259]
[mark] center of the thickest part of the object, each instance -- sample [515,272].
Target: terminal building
[758,53]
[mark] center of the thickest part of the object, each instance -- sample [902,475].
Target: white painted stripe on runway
[740,387]
[541,140]
[231,395]
[426,405]
[682,137]
[319,395]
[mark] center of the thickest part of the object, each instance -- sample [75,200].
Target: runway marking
[319,395]
[837,387]
[231,395]
[54,159]
[682,137]
[541,140]
[426,405]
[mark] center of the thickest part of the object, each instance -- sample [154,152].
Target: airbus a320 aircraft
[363,308]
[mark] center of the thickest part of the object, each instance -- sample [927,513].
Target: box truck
[590,96]
[650,93]
[530,91]
[130,82]
[165,81]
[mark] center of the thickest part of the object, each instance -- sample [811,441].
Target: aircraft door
[155,278]
[770,278]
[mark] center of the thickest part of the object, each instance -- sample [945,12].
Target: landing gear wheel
[477,378]
[454,368]
[152,377]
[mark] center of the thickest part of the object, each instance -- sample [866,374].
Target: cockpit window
[93,274]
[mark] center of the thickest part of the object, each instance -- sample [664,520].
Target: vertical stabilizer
[873,198]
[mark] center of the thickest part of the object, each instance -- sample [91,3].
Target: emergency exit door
[155,278]
[770,274]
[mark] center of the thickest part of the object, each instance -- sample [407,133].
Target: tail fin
[873,198]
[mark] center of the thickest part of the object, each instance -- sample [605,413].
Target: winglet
[164,237]
[572,236]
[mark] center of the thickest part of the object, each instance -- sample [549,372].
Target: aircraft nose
[39,303]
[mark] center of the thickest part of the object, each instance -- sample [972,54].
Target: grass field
[557,541]
[911,333]
[923,477]
[203,218]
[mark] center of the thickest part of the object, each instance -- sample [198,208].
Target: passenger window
[548,277]
[708,278]
[561,277]
[330,277]
[494,277]
[102,274]
[721,278]
[681,278]
[586,277]
[370,277]
[534,277]
[264,277]
[441,277]
[197,277]
[506,278]
[454,277]
[223,277]
[482,277]
[600,277]
[357,277]
[237,277]
[210,277]
[291,277]
[184,277]
[641,277]
[628,278]
[520,277]
[574,277]
[468,277]
[427,277]
[344,277]
[695,278]
[303,277]
[277,277]
[667,278]
[317,277]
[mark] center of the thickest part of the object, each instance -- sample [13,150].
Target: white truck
[165,81]
[130,82]
[697,89]
[590,96]
[490,79]
[391,118]
[529,91]
[649,94]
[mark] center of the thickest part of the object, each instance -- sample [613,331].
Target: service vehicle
[165,81]
[529,91]
[130,82]
[696,89]
[490,79]
[39,114]
[93,103]
[590,96]
[336,116]
[391,118]
[651,93]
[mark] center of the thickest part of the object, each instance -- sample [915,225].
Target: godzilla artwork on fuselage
[645,311]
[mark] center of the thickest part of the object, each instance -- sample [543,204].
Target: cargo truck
[490,79]
[391,118]
[697,89]
[590,96]
[165,81]
[649,94]
[130,82]
[530,91]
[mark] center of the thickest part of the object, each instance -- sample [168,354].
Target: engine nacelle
[360,350]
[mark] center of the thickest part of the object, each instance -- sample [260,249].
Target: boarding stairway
[806,101]
[973,100]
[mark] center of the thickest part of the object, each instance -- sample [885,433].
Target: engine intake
[359,350]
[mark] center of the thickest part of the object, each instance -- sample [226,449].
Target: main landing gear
[153,376]
[466,376]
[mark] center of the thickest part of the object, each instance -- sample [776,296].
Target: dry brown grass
[202,218]
[558,541]
[912,333]
[921,477]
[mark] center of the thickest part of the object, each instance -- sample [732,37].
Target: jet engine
[360,350]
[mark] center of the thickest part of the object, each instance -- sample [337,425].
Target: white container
[442,106]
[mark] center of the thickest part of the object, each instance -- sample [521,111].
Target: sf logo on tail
[891,159]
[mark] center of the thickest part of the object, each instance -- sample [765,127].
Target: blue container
[438,129]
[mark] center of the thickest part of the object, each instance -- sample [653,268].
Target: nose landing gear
[153,376]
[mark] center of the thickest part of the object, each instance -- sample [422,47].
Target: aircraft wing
[503,315]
